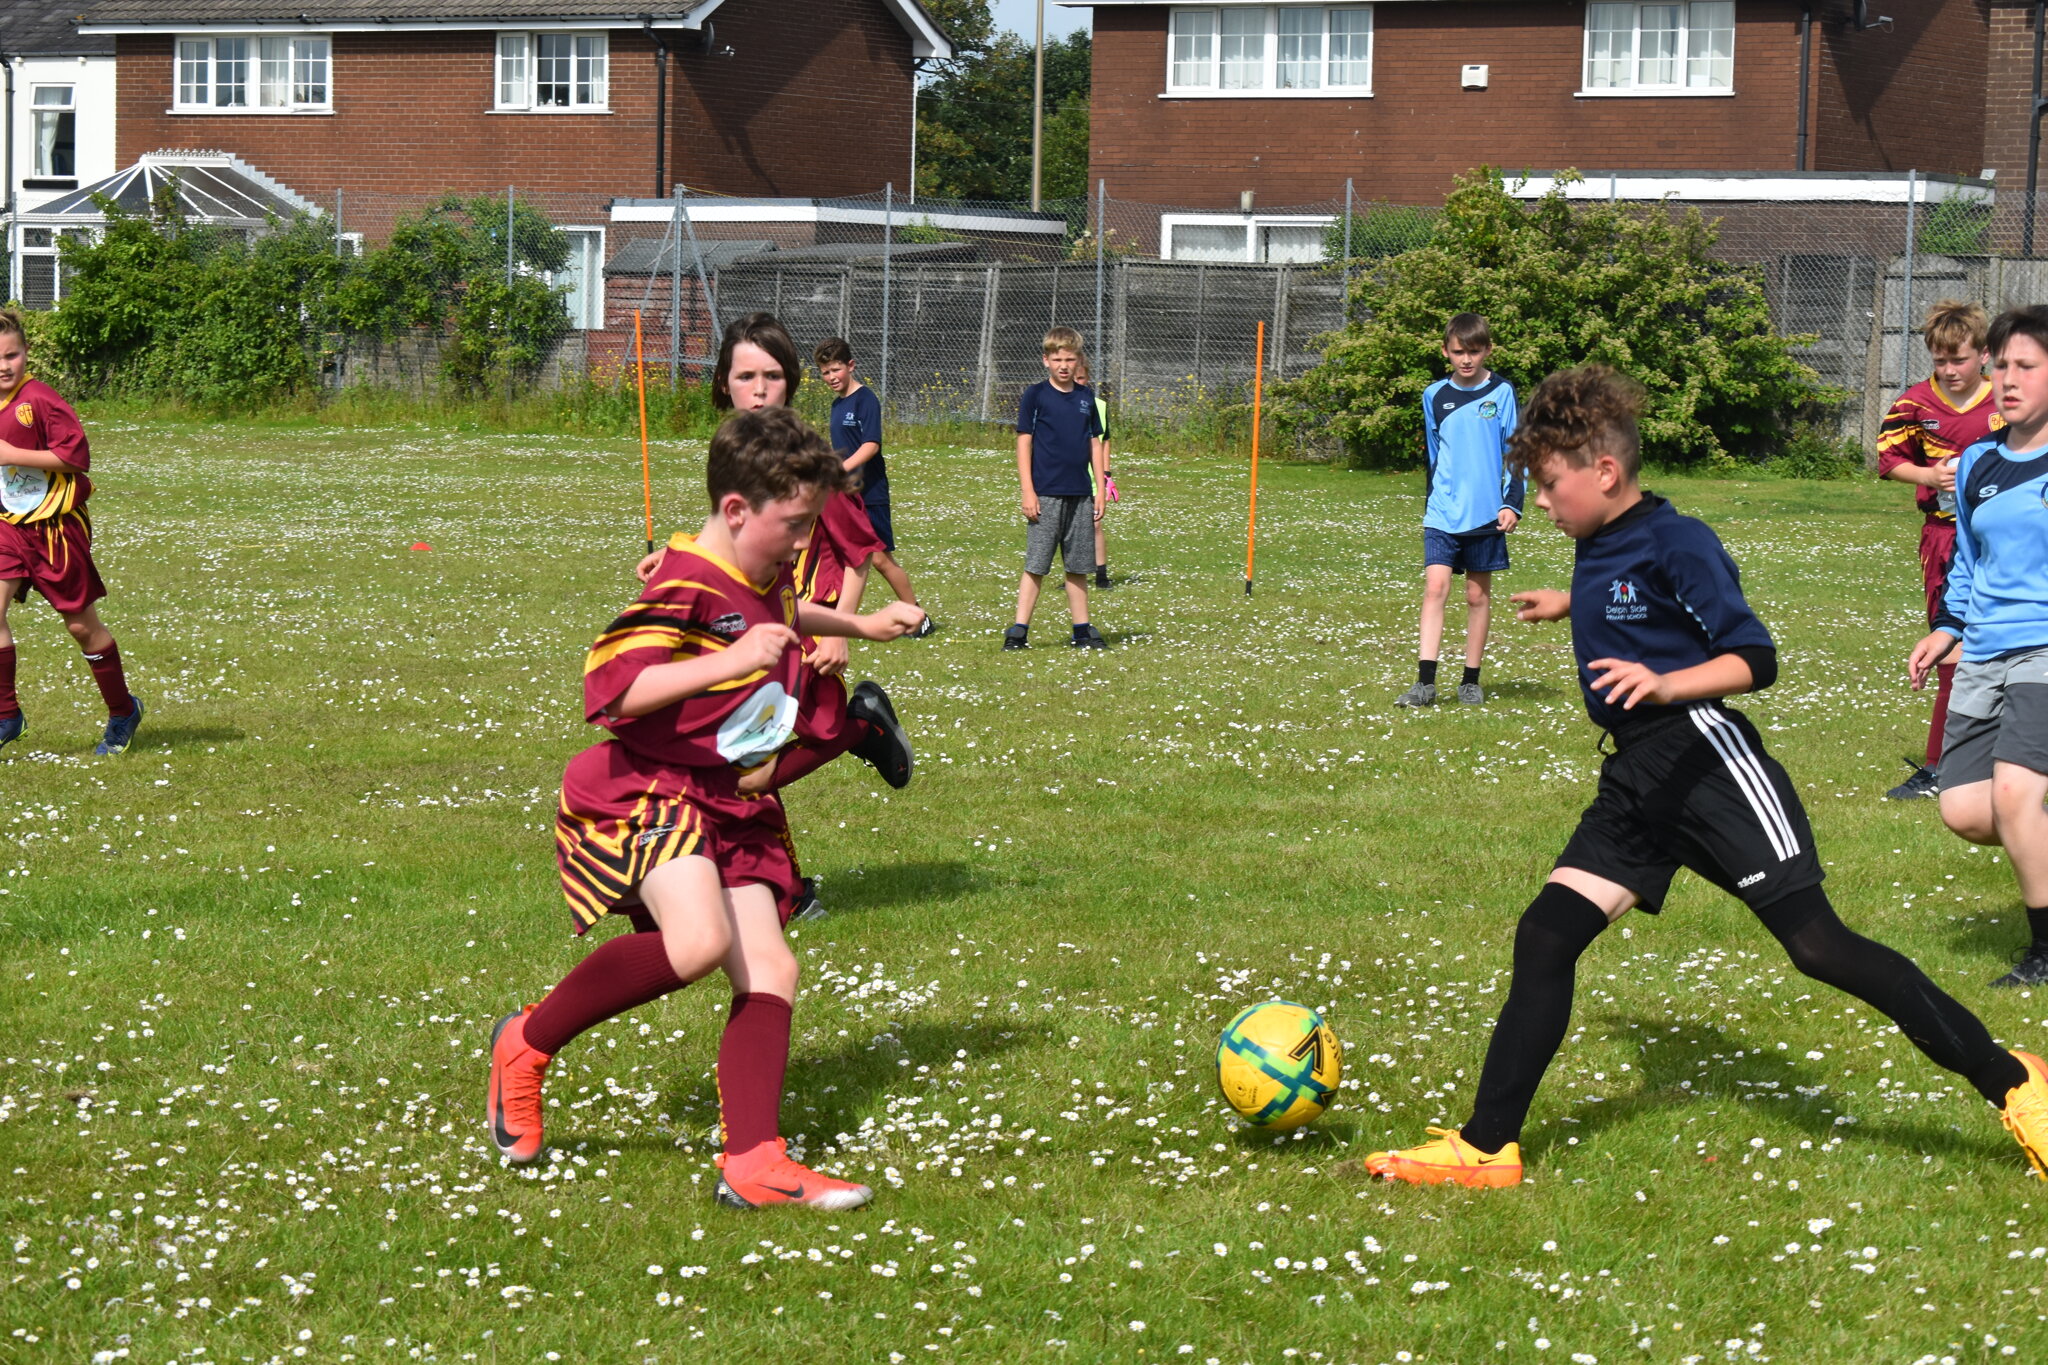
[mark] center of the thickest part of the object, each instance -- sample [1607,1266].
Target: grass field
[252,966]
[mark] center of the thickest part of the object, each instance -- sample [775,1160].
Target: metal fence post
[673,239]
[703,279]
[1101,201]
[1906,297]
[339,248]
[511,265]
[1344,299]
[888,239]
[985,355]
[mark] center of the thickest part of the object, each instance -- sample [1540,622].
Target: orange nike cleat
[513,1100]
[766,1175]
[1450,1160]
[2025,1114]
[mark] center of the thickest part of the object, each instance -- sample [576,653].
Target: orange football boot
[1450,1160]
[513,1100]
[2025,1114]
[766,1175]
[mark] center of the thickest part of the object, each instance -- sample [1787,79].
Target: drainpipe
[13,289]
[2034,133]
[1805,74]
[660,111]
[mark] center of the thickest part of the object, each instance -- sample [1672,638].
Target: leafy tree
[974,122]
[1633,286]
[967,22]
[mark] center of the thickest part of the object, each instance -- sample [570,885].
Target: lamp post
[1038,110]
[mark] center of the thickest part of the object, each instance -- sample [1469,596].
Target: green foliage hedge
[158,307]
[1633,286]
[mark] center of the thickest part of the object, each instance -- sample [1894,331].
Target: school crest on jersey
[25,413]
[1489,410]
[789,605]
[1624,604]
[1997,422]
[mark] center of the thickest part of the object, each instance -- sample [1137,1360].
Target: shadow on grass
[163,737]
[1519,689]
[1994,943]
[843,1086]
[887,884]
[1759,1078]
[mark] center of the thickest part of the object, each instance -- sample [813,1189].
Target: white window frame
[1170,223]
[515,71]
[43,103]
[1210,85]
[23,253]
[592,317]
[297,66]
[1681,88]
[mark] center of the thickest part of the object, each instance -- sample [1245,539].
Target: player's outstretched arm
[666,684]
[1626,683]
[1541,604]
[896,619]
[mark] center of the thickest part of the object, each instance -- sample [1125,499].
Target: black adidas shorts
[1696,790]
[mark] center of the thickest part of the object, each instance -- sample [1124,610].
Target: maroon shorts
[1937,548]
[621,817]
[844,522]
[53,556]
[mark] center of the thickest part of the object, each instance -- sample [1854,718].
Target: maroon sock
[623,973]
[10,705]
[752,1057]
[1946,683]
[106,671]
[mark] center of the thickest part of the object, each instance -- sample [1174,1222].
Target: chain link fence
[944,302]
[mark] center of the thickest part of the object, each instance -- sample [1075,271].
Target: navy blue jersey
[1465,431]
[1062,427]
[1656,588]
[1995,601]
[856,420]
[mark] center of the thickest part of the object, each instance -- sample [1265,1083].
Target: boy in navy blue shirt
[857,436]
[1994,758]
[1473,498]
[1662,634]
[1058,441]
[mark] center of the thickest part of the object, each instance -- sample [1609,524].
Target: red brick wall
[411,115]
[2008,92]
[1911,95]
[1419,130]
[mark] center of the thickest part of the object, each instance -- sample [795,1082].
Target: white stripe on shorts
[1729,741]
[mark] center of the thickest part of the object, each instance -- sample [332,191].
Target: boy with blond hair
[1662,634]
[1059,440]
[1922,437]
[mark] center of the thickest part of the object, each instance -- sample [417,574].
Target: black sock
[1471,676]
[2037,920]
[1080,630]
[1425,672]
[1829,951]
[1557,927]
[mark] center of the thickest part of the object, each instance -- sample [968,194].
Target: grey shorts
[1066,525]
[1997,713]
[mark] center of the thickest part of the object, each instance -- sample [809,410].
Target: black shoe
[1016,637]
[925,627]
[2029,968]
[1102,575]
[888,748]
[1922,783]
[808,906]
[1088,637]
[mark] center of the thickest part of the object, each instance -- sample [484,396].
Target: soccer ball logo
[1279,1065]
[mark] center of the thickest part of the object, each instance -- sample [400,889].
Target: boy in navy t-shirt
[857,436]
[1662,634]
[1058,441]
[1473,498]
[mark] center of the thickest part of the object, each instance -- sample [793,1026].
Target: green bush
[1632,286]
[1814,451]
[1379,231]
[1955,228]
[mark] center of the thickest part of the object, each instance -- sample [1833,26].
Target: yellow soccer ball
[1279,1065]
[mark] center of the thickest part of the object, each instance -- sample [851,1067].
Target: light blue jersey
[1466,432]
[1994,601]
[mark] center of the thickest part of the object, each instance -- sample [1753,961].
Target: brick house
[58,123]
[1200,104]
[572,102]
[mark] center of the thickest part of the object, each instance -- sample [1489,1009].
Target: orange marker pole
[646,474]
[1251,532]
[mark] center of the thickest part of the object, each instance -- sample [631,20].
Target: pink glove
[1109,488]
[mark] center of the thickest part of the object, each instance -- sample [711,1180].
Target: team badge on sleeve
[25,413]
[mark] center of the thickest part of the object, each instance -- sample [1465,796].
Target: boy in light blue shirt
[1473,499]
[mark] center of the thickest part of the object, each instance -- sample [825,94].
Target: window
[1271,241]
[1298,49]
[583,277]
[1662,48]
[42,272]
[552,71]
[54,130]
[253,74]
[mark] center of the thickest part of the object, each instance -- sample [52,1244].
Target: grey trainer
[1470,695]
[1422,694]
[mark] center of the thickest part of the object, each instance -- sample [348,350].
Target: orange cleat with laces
[513,1100]
[2025,1113]
[766,1175]
[1450,1160]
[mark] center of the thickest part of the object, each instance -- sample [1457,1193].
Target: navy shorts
[876,496]
[1473,552]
